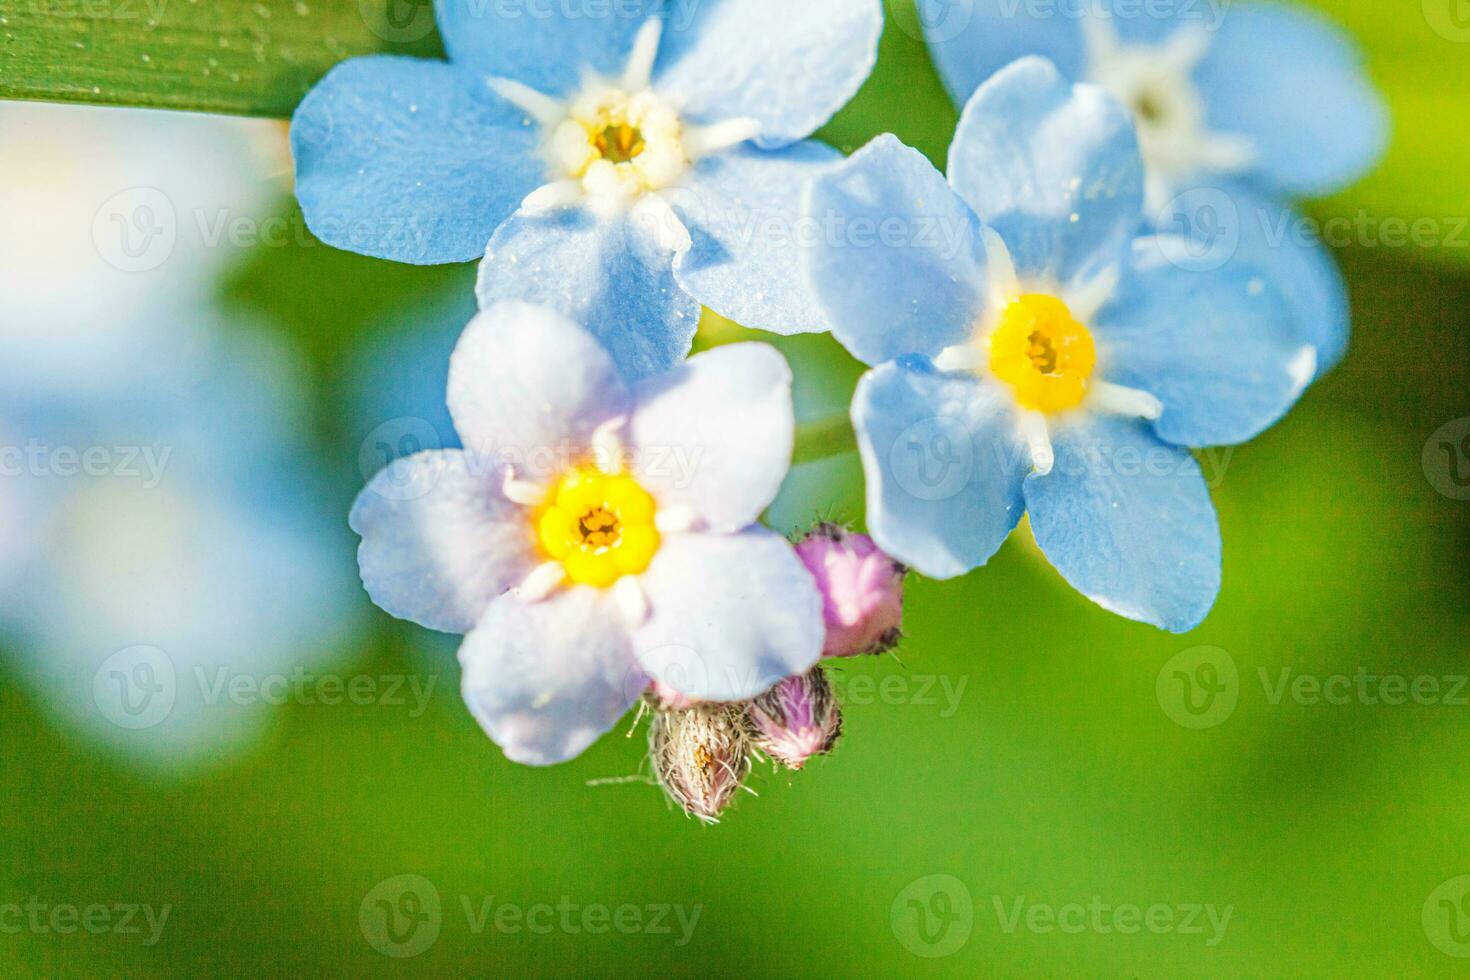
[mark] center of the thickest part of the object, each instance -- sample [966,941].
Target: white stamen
[1303,367]
[539,106]
[1004,285]
[542,581]
[1185,48]
[676,520]
[552,197]
[1086,301]
[632,601]
[607,446]
[639,71]
[1102,41]
[1131,402]
[703,140]
[1032,426]
[657,215]
[522,492]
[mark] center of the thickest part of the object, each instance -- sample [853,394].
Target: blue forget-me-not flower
[595,534]
[1033,353]
[621,163]
[1238,107]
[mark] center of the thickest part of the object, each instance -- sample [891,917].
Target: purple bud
[862,591]
[796,719]
[700,756]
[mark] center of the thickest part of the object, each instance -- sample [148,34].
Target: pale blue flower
[1256,101]
[624,166]
[177,542]
[595,533]
[1032,353]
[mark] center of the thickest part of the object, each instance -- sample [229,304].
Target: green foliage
[242,57]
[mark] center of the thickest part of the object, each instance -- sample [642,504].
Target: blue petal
[397,158]
[789,66]
[1290,80]
[1128,522]
[547,46]
[439,539]
[529,387]
[971,40]
[1219,347]
[546,679]
[943,463]
[1053,167]
[1232,221]
[715,434]
[741,209]
[896,259]
[604,273]
[730,615]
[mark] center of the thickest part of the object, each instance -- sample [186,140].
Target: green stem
[823,438]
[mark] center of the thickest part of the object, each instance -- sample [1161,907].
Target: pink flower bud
[700,757]
[796,719]
[862,591]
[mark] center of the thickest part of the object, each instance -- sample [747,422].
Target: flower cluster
[1040,340]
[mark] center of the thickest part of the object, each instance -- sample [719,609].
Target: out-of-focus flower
[1271,92]
[177,547]
[118,224]
[796,719]
[594,535]
[623,164]
[862,590]
[1243,104]
[700,757]
[160,538]
[1042,356]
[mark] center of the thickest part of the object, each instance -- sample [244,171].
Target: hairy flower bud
[700,757]
[862,591]
[664,698]
[796,719]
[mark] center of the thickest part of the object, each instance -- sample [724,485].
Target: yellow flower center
[1043,353]
[599,527]
[619,142]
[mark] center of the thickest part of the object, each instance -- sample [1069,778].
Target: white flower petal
[715,434]
[742,610]
[439,540]
[545,680]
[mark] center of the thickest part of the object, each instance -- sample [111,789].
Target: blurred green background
[1026,745]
